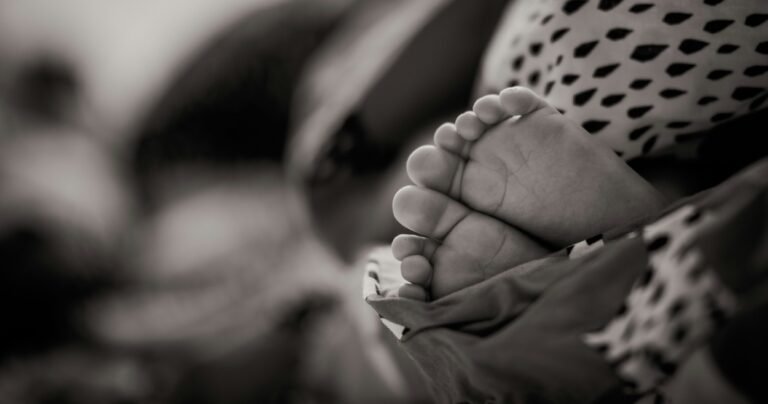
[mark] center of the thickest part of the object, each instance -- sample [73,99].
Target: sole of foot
[503,177]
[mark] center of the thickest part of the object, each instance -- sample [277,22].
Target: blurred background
[152,247]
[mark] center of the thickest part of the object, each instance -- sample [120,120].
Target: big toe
[427,212]
[435,168]
[489,109]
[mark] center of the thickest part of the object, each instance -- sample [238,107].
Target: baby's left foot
[537,171]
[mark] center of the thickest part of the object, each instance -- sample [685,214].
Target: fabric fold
[548,331]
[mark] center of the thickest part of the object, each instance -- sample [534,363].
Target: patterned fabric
[644,77]
[585,247]
[674,306]
[642,303]
[647,78]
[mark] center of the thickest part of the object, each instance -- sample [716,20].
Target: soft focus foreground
[151,250]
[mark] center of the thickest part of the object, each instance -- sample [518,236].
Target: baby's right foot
[484,187]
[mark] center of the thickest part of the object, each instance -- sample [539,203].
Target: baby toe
[405,245]
[447,138]
[522,101]
[414,292]
[416,269]
[489,110]
[434,168]
[427,212]
[469,126]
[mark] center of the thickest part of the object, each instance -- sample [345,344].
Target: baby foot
[511,168]
[472,247]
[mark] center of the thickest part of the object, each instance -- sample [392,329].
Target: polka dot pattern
[621,68]
[674,305]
